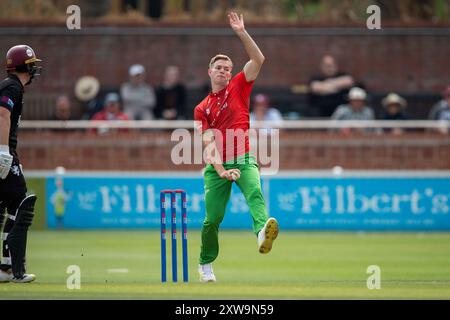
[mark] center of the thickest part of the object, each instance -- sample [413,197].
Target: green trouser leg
[250,186]
[217,194]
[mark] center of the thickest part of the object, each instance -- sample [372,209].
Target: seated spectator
[139,98]
[111,111]
[171,96]
[328,90]
[356,109]
[441,110]
[263,112]
[87,92]
[394,106]
[62,109]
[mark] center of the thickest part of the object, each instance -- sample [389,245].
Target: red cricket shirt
[227,111]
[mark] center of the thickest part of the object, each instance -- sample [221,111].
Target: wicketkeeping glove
[5,161]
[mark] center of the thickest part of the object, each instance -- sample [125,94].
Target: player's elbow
[258,60]
[261,59]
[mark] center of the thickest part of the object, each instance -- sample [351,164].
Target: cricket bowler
[227,108]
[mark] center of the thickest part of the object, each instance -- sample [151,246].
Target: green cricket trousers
[217,194]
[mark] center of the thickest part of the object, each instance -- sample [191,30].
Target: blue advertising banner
[116,202]
[298,202]
[370,203]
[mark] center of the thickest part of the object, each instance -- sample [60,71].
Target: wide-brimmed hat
[356,93]
[393,98]
[86,88]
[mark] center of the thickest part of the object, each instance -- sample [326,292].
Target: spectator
[63,110]
[87,92]
[111,111]
[329,89]
[356,109]
[139,98]
[171,96]
[263,112]
[394,110]
[441,110]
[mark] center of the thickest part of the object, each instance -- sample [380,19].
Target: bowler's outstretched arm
[253,66]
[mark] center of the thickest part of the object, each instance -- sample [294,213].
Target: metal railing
[286,124]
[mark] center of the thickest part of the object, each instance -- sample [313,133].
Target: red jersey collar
[218,93]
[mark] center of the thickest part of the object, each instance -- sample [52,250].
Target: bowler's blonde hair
[219,56]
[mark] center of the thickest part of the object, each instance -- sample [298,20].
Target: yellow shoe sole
[271,233]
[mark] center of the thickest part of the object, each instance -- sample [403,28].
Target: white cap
[357,94]
[136,69]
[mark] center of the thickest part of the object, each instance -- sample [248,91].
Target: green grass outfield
[302,265]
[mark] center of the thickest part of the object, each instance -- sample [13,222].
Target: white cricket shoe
[6,276]
[267,235]
[206,273]
[24,279]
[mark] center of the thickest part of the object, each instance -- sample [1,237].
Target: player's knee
[24,211]
[255,194]
[212,221]
[13,201]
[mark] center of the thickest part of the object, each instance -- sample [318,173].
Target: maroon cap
[20,55]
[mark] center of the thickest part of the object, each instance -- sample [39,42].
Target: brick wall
[299,150]
[407,60]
